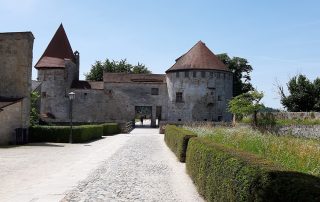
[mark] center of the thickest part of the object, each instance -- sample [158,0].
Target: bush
[111,129]
[177,140]
[61,134]
[225,174]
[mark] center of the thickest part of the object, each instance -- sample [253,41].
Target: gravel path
[144,169]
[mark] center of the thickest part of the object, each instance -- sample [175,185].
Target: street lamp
[72,95]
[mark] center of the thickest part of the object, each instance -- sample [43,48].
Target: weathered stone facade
[196,88]
[205,95]
[15,86]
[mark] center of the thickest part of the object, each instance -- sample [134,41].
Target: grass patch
[295,154]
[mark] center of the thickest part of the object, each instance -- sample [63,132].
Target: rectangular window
[186,74]
[203,74]
[218,75]
[44,94]
[154,91]
[179,97]
[177,74]
[194,74]
[219,98]
[211,74]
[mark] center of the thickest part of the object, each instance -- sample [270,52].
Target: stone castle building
[15,83]
[196,88]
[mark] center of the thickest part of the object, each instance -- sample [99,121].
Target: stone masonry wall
[296,115]
[307,131]
[205,95]
[10,119]
[16,51]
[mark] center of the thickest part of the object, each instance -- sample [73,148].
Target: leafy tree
[241,73]
[246,104]
[97,69]
[34,114]
[303,94]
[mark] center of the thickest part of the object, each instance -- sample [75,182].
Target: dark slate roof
[97,85]
[5,101]
[57,51]
[198,57]
[35,85]
[133,78]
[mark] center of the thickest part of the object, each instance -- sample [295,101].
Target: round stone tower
[199,87]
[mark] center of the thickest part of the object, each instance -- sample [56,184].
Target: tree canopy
[246,104]
[241,73]
[304,95]
[97,69]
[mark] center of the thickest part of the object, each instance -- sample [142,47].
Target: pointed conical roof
[58,49]
[199,57]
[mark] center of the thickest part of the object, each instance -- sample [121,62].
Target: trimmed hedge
[226,174]
[61,134]
[177,140]
[111,129]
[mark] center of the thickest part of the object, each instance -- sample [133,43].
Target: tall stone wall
[124,97]
[205,95]
[10,119]
[16,51]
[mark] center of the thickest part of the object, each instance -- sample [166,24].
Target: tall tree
[241,73]
[97,69]
[303,94]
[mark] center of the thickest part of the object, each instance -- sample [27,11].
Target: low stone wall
[126,127]
[295,115]
[307,131]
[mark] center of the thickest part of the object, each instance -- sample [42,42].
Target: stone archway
[143,116]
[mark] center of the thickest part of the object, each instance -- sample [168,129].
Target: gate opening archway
[143,116]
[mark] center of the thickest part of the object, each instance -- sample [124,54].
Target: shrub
[111,129]
[292,153]
[177,140]
[80,134]
[225,174]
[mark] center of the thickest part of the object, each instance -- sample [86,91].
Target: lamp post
[72,95]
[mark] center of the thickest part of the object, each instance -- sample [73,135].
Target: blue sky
[279,38]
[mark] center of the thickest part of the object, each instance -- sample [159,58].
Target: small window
[203,74]
[205,119]
[154,91]
[220,118]
[219,98]
[194,74]
[186,74]
[44,94]
[177,74]
[179,119]
[218,75]
[211,74]
[179,97]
